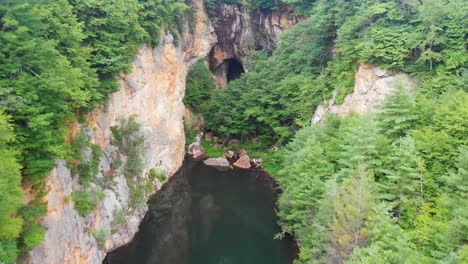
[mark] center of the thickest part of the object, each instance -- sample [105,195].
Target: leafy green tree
[305,174]
[199,87]
[11,194]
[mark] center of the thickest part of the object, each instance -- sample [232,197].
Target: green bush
[127,137]
[120,217]
[87,170]
[154,174]
[86,201]
[32,235]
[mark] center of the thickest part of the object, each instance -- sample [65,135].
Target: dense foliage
[390,187]
[11,195]
[383,188]
[356,191]
[319,56]
[57,59]
[199,87]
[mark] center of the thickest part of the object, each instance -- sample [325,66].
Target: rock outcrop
[241,31]
[372,85]
[152,94]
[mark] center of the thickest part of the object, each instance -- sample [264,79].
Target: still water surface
[206,216]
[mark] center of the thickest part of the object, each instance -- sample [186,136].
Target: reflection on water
[206,216]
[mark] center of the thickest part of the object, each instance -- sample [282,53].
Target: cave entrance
[234,69]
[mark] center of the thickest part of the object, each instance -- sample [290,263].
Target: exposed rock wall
[152,93]
[241,31]
[372,85]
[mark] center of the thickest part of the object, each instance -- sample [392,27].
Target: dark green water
[206,216]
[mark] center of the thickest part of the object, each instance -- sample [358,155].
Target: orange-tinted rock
[243,162]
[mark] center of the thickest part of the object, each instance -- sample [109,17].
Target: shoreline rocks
[197,151]
[243,162]
[219,163]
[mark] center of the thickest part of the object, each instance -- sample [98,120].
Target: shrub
[154,174]
[199,87]
[86,201]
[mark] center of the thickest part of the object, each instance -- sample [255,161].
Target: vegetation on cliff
[390,186]
[60,58]
[409,184]
[380,188]
[319,56]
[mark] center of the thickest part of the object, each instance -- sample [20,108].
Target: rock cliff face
[152,94]
[241,31]
[372,85]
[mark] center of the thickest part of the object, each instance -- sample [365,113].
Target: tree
[11,194]
[398,114]
[305,173]
[358,144]
[404,185]
[388,242]
[199,87]
[352,207]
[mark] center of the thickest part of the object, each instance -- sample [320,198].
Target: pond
[203,215]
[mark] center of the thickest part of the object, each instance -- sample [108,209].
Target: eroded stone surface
[372,85]
[241,31]
[152,94]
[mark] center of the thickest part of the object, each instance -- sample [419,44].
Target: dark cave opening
[234,69]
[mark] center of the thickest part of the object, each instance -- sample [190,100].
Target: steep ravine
[152,94]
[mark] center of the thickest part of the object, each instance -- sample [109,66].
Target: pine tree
[404,185]
[352,206]
[358,145]
[398,114]
[389,243]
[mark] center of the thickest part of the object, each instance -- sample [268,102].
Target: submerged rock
[221,163]
[243,162]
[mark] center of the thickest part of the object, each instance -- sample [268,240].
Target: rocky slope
[241,31]
[152,94]
[371,86]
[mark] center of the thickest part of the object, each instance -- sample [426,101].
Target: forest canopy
[389,187]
